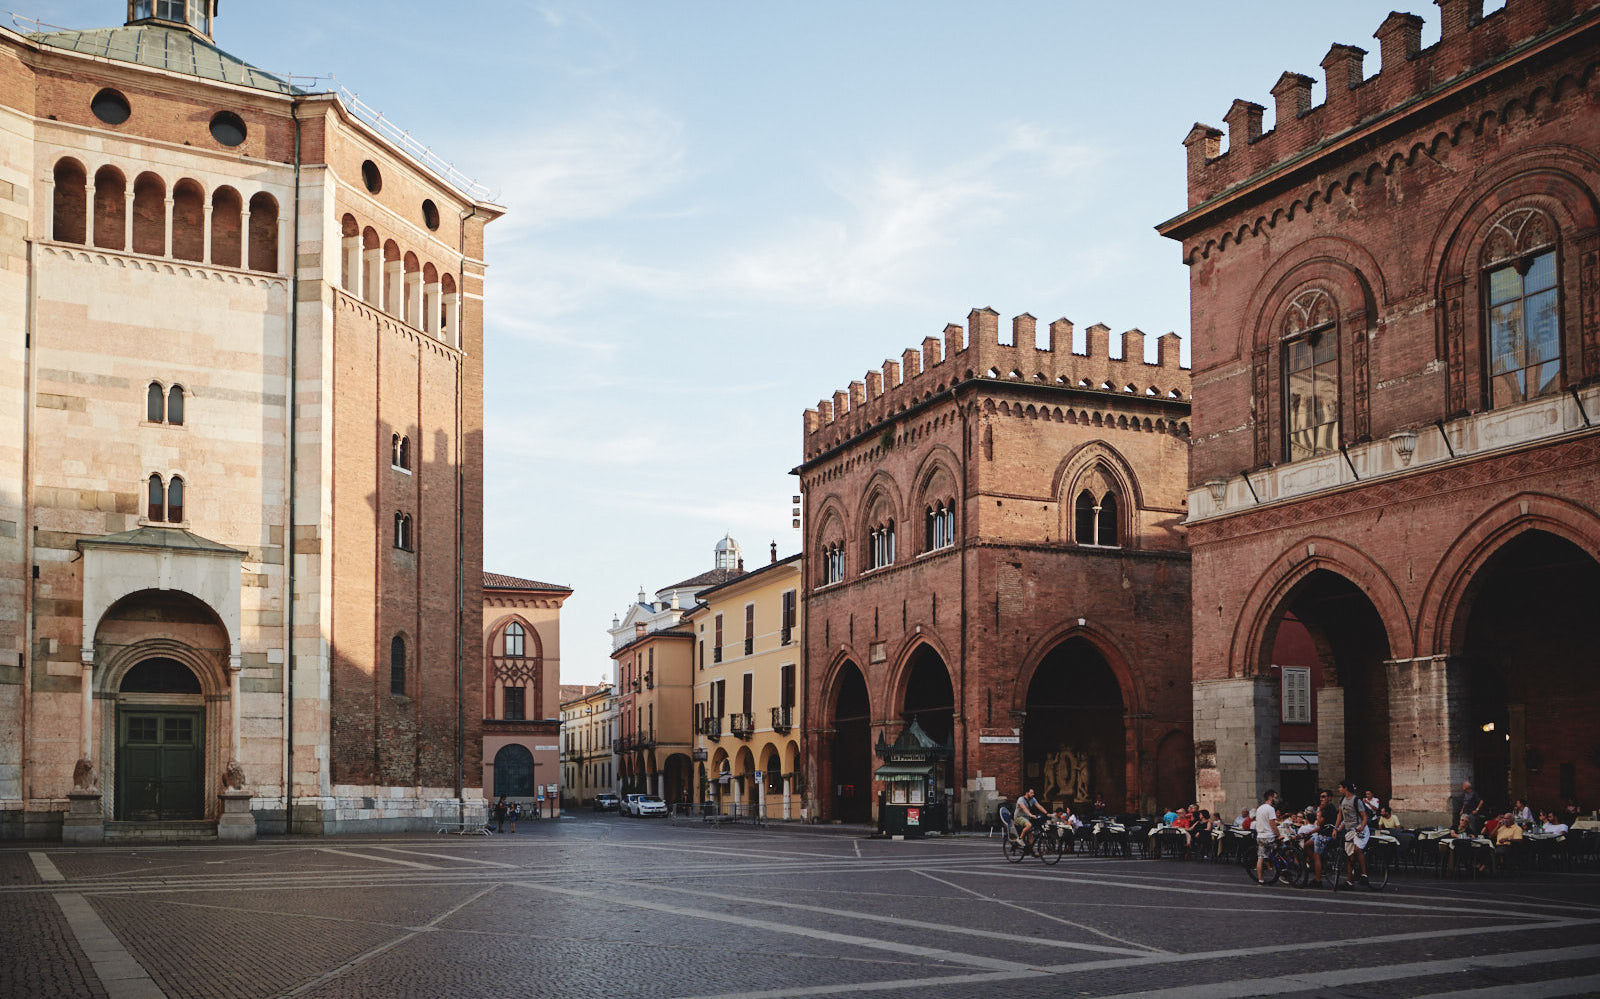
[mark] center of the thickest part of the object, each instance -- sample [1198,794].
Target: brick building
[1396,322]
[522,689]
[994,546]
[240,466]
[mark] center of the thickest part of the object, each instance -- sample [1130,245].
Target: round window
[110,107]
[430,213]
[371,177]
[227,128]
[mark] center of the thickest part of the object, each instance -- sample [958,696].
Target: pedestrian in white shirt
[1266,827]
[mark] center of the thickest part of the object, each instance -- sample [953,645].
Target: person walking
[1265,824]
[1353,823]
[500,815]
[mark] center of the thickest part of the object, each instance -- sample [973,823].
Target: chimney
[874,384]
[825,411]
[858,395]
[983,327]
[891,374]
[930,352]
[1399,38]
[774,559]
[1169,350]
[1293,95]
[741,563]
[954,340]
[1342,65]
[1244,123]
[1204,144]
[910,364]
[841,404]
[1096,343]
[1133,346]
[1456,16]
[1025,330]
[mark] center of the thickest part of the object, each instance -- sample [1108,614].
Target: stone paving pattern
[601,905]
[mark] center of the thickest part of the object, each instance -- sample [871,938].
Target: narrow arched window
[402,532]
[188,220]
[110,208]
[1084,516]
[515,640]
[1524,309]
[397,666]
[175,500]
[1311,376]
[175,405]
[154,410]
[405,451]
[156,506]
[263,233]
[149,215]
[930,530]
[70,219]
[1106,529]
[394,450]
[227,220]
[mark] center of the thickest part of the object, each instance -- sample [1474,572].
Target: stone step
[198,830]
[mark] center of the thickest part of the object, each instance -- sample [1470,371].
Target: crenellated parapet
[976,352]
[1407,72]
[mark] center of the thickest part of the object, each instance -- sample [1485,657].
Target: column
[350,279]
[393,276]
[84,821]
[788,791]
[244,237]
[166,230]
[1430,746]
[430,308]
[734,783]
[127,218]
[286,248]
[205,216]
[86,746]
[1330,737]
[88,207]
[235,667]
[413,299]
[372,277]
[452,318]
[1235,742]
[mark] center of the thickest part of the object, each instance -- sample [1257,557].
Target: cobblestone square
[607,906]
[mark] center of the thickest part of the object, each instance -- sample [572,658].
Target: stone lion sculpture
[83,776]
[233,778]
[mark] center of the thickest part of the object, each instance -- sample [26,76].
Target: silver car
[649,804]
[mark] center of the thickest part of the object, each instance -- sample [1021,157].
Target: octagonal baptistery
[243,340]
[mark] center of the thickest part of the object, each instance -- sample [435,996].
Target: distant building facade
[994,547]
[748,701]
[588,721]
[240,471]
[521,686]
[1396,467]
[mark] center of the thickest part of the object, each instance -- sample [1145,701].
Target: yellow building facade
[588,724]
[747,693]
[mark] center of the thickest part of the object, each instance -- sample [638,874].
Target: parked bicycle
[1285,863]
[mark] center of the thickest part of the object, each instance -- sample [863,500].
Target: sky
[719,213]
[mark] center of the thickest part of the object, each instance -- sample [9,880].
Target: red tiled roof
[497,581]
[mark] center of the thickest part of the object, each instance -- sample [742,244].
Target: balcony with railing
[742,725]
[749,646]
[711,727]
[782,719]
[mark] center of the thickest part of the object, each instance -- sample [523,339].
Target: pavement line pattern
[872,917]
[447,856]
[383,948]
[381,859]
[745,922]
[1042,915]
[45,867]
[122,975]
[1587,985]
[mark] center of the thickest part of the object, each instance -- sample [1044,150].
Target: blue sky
[720,213]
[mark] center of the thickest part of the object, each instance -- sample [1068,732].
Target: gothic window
[175,500]
[1310,376]
[939,526]
[402,532]
[515,704]
[516,640]
[397,666]
[833,564]
[175,406]
[1097,511]
[1524,318]
[157,506]
[154,404]
[880,545]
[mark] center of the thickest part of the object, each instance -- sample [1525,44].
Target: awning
[1297,761]
[904,771]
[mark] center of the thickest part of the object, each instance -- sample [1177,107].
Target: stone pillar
[735,783]
[452,320]
[244,238]
[88,207]
[236,739]
[85,818]
[1430,748]
[127,218]
[372,277]
[413,299]
[350,276]
[393,276]
[1330,737]
[205,213]
[788,797]
[430,308]
[1235,742]
[166,229]
[86,744]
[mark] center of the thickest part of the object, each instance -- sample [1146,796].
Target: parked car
[649,804]
[630,804]
[605,801]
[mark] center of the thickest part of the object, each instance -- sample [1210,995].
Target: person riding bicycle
[1354,823]
[1028,810]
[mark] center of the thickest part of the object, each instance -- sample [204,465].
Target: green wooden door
[159,770]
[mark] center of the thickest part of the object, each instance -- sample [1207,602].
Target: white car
[630,804]
[648,804]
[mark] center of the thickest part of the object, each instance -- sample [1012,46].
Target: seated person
[1027,810]
[1169,817]
[1244,819]
[1507,833]
[1065,826]
[1387,819]
[1553,825]
[1521,813]
[1493,825]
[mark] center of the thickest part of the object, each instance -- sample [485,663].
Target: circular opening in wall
[430,213]
[227,128]
[371,177]
[110,107]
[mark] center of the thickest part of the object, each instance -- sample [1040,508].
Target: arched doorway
[1073,741]
[513,772]
[679,778]
[930,701]
[852,747]
[160,724]
[1531,638]
[1347,708]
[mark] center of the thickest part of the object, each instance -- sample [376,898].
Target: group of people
[1349,821]
[1492,836]
[506,811]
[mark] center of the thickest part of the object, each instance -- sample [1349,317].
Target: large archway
[851,721]
[679,775]
[513,772]
[1531,638]
[1074,741]
[1332,628]
[930,701]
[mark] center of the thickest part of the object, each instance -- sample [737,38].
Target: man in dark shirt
[1353,823]
[1327,817]
[1471,806]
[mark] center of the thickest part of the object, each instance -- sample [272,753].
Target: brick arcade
[995,549]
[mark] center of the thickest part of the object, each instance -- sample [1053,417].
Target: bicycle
[1284,862]
[1380,860]
[1045,842]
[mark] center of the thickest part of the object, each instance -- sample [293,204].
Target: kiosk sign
[913,816]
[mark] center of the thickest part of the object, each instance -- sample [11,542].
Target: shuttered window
[1296,695]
